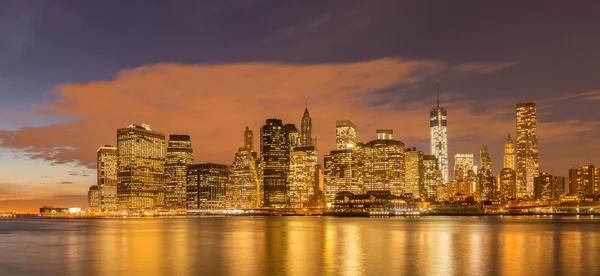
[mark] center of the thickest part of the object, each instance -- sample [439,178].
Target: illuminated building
[249,139]
[559,186]
[381,202]
[509,154]
[179,156]
[106,169]
[94,199]
[275,155]
[306,130]
[432,177]
[141,167]
[345,135]
[385,134]
[293,136]
[414,171]
[527,148]
[341,173]
[206,186]
[485,160]
[583,180]
[486,188]
[507,182]
[381,163]
[301,177]
[463,163]
[243,189]
[438,124]
[542,188]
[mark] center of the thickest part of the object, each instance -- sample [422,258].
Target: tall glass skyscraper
[106,168]
[141,167]
[206,186]
[306,130]
[528,165]
[179,156]
[275,155]
[438,126]
[509,154]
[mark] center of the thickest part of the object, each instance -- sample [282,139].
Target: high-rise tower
[275,154]
[249,139]
[107,177]
[179,156]
[509,153]
[345,135]
[141,167]
[463,163]
[306,130]
[527,148]
[438,124]
[485,161]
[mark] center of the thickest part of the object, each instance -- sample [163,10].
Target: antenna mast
[438,94]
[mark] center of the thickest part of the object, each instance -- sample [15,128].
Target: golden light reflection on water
[306,246]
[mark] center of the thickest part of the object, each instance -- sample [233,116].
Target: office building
[463,163]
[381,163]
[275,155]
[94,205]
[542,188]
[306,130]
[341,173]
[415,170]
[583,180]
[301,178]
[432,178]
[438,126]
[206,186]
[507,183]
[527,148]
[249,139]
[243,190]
[179,156]
[509,154]
[385,134]
[141,167]
[345,135]
[106,177]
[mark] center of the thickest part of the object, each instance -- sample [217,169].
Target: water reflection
[301,246]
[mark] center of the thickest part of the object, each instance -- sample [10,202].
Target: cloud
[17,24]
[214,104]
[484,67]
[66,182]
[593,95]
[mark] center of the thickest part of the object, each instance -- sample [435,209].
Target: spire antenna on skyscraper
[438,93]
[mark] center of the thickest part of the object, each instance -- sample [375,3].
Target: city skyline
[56,111]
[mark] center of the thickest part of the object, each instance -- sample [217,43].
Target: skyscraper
[527,148]
[306,130]
[206,186]
[485,160]
[179,156]
[382,166]
[432,177]
[438,124]
[94,199]
[141,167]
[249,139]
[106,168]
[345,135]
[583,180]
[293,136]
[542,188]
[507,182]
[301,178]
[463,163]
[341,173]
[275,155]
[414,171]
[509,154]
[243,189]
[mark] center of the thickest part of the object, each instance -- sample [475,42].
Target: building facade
[507,183]
[527,148]
[94,203]
[438,127]
[141,168]
[382,167]
[179,156]
[583,180]
[463,163]
[106,172]
[542,188]
[206,186]
[275,155]
[306,130]
[509,154]
[243,190]
[341,173]
[432,177]
[345,135]
[414,171]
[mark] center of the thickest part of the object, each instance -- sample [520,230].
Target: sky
[72,72]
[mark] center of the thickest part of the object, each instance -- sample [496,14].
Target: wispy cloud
[65,182]
[299,28]
[485,67]
[593,95]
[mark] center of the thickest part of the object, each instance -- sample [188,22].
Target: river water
[301,246]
